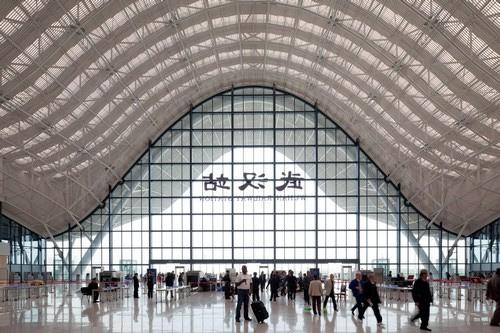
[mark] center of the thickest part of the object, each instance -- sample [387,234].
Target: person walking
[357,292]
[315,291]
[274,281]
[169,283]
[493,293]
[255,287]
[180,280]
[283,284]
[136,286]
[423,298]
[372,298]
[150,282]
[243,283]
[262,281]
[330,293]
[306,281]
[291,282]
[227,286]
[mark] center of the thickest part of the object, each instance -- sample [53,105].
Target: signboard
[253,181]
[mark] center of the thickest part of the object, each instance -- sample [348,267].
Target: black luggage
[259,311]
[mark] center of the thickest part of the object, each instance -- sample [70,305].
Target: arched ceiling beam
[362,104]
[471,17]
[254,7]
[377,75]
[314,20]
[73,216]
[387,106]
[438,35]
[49,128]
[64,173]
[377,152]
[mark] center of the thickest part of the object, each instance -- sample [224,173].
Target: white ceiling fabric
[85,85]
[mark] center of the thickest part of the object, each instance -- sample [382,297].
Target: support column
[441,250]
[70,250]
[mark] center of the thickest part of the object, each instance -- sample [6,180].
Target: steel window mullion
[316,115]
[274,176]
[110,247]
[232,176]
[191,189]
[398,244]
[150,217]
[358,203]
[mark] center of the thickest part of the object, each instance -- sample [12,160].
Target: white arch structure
[85,85]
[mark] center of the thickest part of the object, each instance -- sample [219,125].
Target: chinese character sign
[251,179]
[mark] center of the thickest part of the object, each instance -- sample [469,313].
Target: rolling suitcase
[259,311]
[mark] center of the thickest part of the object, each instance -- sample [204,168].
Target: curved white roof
[84,85]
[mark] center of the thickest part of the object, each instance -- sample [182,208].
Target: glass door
[346,273]
[178,271]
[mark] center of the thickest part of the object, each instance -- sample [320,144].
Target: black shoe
[425,329]
[336,310]
[237,320]
[248,319]
[352,311]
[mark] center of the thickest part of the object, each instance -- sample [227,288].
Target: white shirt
[243,285]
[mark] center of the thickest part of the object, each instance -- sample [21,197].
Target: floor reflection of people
[330,322]
[274,314]
[358,324]
[245,328]
[228,307]
[92,313]
[136,310]
[292,317]
[261,328]
[151,314]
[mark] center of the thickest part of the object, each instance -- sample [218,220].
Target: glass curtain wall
[255,175]
[27,251]
[485,249]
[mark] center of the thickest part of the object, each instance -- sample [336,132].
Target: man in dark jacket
[493,293]
[357,292]
[169,282]
[423,298]
[291,282]
[274,281]
[371,298]
[255,287]
[150,283]
[262,281]
[227,286]
[305,284]
[136,286]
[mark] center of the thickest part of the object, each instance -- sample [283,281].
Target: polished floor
[209,312]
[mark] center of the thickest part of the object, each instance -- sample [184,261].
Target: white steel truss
[86,84]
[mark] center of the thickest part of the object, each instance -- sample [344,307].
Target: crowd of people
[363,288]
